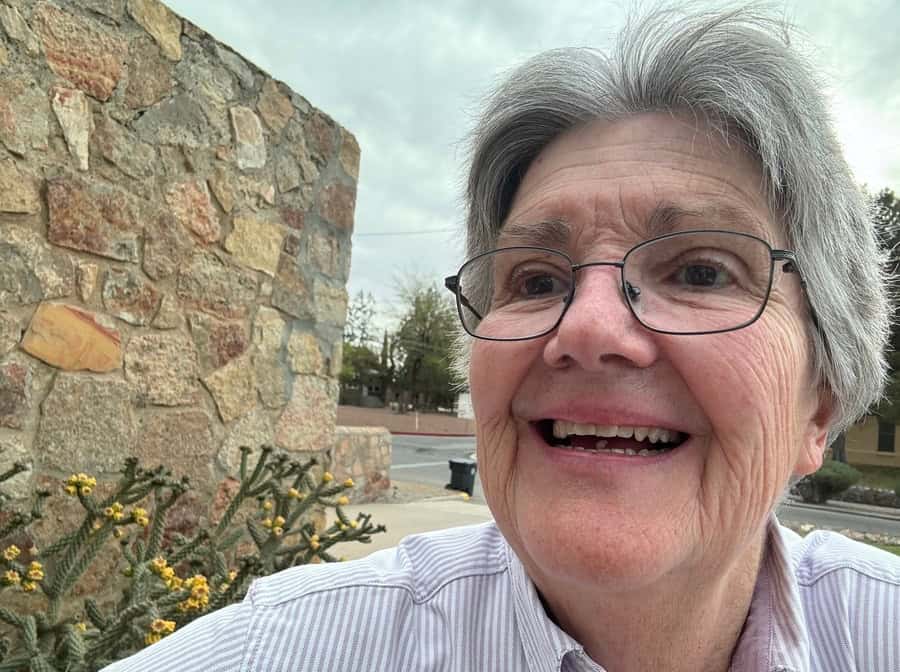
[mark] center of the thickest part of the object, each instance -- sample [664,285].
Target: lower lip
[583,459]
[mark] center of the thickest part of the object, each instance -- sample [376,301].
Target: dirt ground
[425,423]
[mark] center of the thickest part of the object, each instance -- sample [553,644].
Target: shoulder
[420,566]
[822,554]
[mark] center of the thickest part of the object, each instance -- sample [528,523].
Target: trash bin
[462,474]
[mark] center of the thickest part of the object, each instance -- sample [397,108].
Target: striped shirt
[460,599]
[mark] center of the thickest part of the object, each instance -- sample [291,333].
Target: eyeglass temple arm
[452,283]
[790,266]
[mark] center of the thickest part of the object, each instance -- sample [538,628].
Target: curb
[449,436]
[854,512]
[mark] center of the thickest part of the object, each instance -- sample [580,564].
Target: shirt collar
[774,637]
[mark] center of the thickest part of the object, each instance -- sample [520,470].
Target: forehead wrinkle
[555,232]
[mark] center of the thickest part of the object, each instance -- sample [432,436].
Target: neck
[682,624]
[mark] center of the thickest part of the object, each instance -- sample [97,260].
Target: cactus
[166,580]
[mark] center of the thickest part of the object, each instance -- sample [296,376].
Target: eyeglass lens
[698,281]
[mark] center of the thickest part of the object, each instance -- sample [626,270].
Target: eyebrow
[554,233]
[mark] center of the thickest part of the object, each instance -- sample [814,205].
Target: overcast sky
[406,77]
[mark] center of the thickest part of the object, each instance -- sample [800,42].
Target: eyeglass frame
[775,255]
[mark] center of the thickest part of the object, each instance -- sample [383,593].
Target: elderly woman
[674,297]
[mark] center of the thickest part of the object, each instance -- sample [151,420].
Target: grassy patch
[878,477]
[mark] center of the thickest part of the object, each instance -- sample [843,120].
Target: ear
[815,435]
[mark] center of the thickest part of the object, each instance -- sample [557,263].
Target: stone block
[24,115]
[250,144]
[307,422]
[87,424]
[162,24]
[10,332]
[113,9]
[324,254]
[15,393]
[337,203]
[304,354]
[293,218]
[179,120]
[253,430]
[19,190]
[86,275]
[224,187]
[129,297]
[337,358]
[274,107]
[349,156]
[80,50]
[290,291]
[320,137]
[191,205]
[218,342]
[163,368]
[149,75]
[287,172]
[13,449]
[17,29]
[168,246]
[122,148]
[169,314]
[74,115]
[233,388]
[331,303]
[236,64]
[255,243]
[73,339]
[32,270]
[207,283]
[93,218]
[191,455]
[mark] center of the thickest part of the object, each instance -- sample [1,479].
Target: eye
[706,275]
[539,285]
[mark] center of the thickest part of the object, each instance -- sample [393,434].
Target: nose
[599,328]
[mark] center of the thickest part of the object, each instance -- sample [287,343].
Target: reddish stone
[319,133]
[15,384]
[129,297]
[80,50]
[192,207]
[149,75]
[72,339]
[167,246]
[218,342]
[337,203]
[293,218]
[93,219]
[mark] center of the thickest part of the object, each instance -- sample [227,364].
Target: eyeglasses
[685,283]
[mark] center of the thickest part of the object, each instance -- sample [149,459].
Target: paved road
[424,459]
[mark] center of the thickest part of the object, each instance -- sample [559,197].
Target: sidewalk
[412,518]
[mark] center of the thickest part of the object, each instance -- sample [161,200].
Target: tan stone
[253,430]
[24,115]
[130,297]
[86,279]
[349,156]
[4,56]
[149,75]
[304,354]
[223,187]
[74,115]
[218,341]
[337,203]
[18,30]
[167,245]
[72,339]
[307,422]
[122,148]
[162,24]
[233,388]
[80,50]
[331,303]
[250,144]
[19,190]
[192,207]
[205,282]
[31,270]
[255,243]
[169,314]
[10,333]
[163,367]
[190,455]
[336,361]
[274,107]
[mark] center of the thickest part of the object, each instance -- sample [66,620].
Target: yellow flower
[348,483]
[12,552]
[162,627]
[293,493]
[97,525]
[314,545]
[354,524]
[344,528]
[158,563]
[343,501]
[118,533]
[167,573]
[70,489]
[151,638]
[143,521]
[81,626]
[278,522]
[86,490]
[36,571]
[29,586]
[114,511]
[267,505]
[232,575]
[140,516]
[267,522]
[11,577]
[277,531]
[327,477]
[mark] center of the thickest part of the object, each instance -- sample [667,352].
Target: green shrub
[167,580]
[830,480]
[897,490]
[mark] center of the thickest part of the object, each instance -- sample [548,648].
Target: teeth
[601,444]
[562,429]
[640,433]
[625,432]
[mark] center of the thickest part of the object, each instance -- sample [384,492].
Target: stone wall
[363,454]
[174,247]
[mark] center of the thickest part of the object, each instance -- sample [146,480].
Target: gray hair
[738,71]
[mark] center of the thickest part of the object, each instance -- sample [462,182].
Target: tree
[360,364]
[423,343]
[359,328]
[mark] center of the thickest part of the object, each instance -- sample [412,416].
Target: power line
[404,233]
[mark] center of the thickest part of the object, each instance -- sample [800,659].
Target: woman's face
[744,400]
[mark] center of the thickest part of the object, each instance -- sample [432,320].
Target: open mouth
[610,439]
